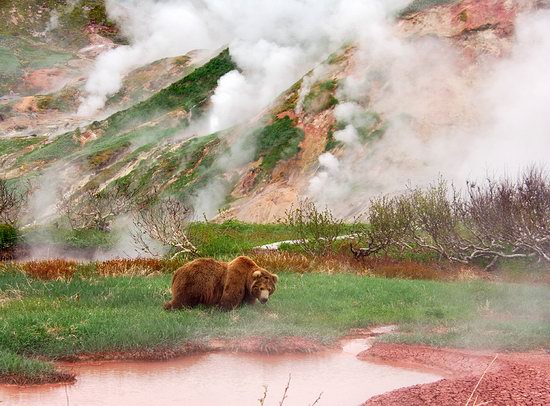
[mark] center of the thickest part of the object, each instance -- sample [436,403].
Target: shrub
[166,223]
[317,230]
[12,202]
[497,219]
[8,236]
[280,261]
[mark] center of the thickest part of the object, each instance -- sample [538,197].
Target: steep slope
[315,140]
[137,145]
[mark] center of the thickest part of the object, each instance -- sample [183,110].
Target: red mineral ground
[511,379]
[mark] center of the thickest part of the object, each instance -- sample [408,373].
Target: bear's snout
[264,295]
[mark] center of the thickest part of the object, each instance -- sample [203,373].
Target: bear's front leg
[232,297]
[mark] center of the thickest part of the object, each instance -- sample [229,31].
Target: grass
[15,365]
[16,144]
[68,238]
[234,237]
[90,313]
[120,129]
[61,147]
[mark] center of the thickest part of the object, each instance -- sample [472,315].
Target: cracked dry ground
[513,378]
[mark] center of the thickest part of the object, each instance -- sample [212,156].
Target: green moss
[198,156]
[103,158]
[278,142]
[189,93]
[321,97]
[64,100]
[419,5]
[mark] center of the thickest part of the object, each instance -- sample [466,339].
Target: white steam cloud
[445,117]
[273,42]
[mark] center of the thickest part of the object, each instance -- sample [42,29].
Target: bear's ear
[275,277]
[257,274]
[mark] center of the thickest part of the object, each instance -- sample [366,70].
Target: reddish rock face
[44,80]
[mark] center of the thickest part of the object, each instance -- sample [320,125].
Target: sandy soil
[512,379]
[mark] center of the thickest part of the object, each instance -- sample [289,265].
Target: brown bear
[224,284]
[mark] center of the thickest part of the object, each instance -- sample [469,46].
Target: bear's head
[263,284]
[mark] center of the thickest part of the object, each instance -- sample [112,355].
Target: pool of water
[224,379]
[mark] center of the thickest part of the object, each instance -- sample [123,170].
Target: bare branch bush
[317,230]
[12,203]
[166,222]
[96,209]
[511,218]
[498,219]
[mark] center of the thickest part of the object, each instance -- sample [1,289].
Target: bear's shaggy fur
[214,283]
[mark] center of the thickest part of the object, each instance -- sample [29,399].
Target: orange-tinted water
[223,379]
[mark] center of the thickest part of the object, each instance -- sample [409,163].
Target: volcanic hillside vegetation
[46,34]
[148,142]
[115,149]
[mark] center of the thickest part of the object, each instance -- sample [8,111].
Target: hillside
[314,140]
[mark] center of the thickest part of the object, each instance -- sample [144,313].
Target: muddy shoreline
[510,378]
[513,378]
[259,345]
[253,344]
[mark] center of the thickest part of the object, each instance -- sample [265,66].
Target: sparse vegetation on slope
[187,94]
[321,97]
[278,142]
[419,5]
[19,54]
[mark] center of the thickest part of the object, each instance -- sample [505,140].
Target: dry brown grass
[50,268]
[275,261]
[137,266]
[376,266]
[280,261]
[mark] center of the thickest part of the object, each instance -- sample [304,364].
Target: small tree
[317,230]
[166,222]
[498,219]
[12,203]
[97,209]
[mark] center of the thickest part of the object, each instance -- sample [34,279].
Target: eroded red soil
[55,377]
[512,379]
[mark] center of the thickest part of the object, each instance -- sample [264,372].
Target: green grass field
[47,320]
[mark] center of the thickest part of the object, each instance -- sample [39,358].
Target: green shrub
[8,236]
[317,230]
